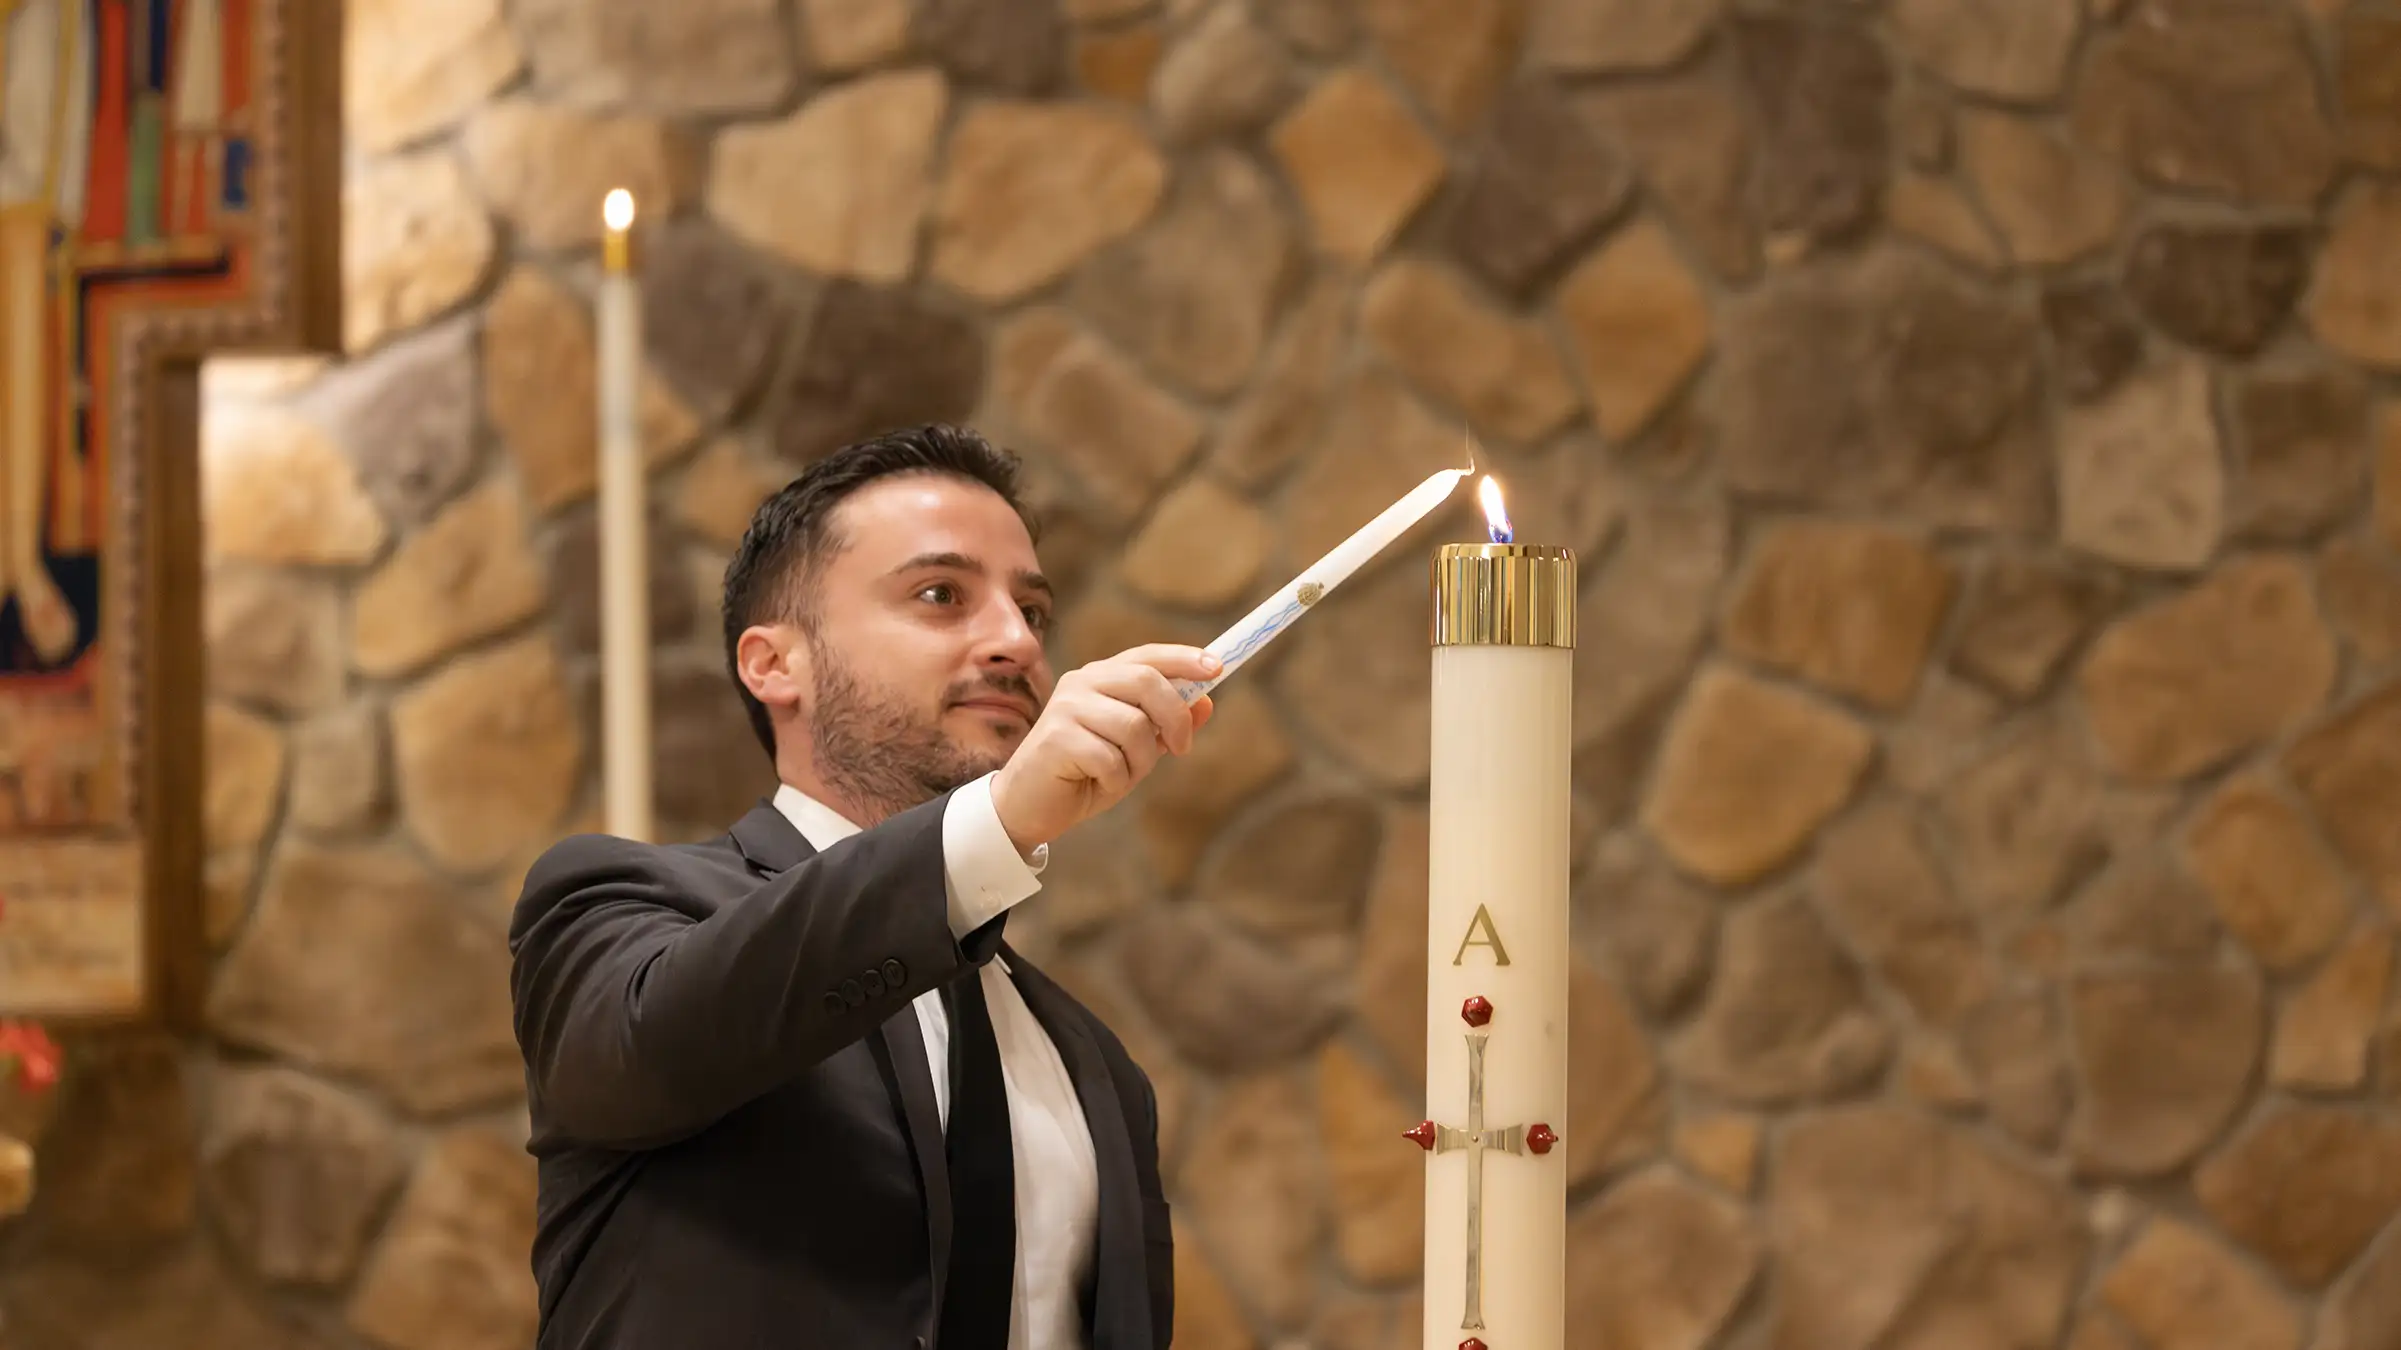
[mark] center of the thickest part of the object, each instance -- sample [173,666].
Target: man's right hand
[1103,731]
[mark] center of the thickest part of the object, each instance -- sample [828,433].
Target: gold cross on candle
[1477,1140]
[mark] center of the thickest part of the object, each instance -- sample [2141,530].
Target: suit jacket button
[834,1006]
[852,994]
[873,982]
[895,974]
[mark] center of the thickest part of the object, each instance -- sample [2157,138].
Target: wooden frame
[101,911]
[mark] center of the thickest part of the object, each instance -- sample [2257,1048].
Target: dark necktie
[983,1179]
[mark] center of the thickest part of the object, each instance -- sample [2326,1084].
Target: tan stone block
[2186,684]
[1359,161]
[1723,1148]
[2022,618]
[2277,887]
[2360,587]
[275,489]
[1206,1315]
[1878,880]
[2340,1166]
[469,574]
[1231,1002]
[2323,1035]
[1256,1179]
[846,35]
[1225,77]
[1118,63]
[1194,295]
[2387,509]
[1300,870]
[2164,1060]
[1617,1096]
[246,760]
[1786,1019]
[2141,477]
[1202,548]
[1852,608]
[1379,1190]
[2014,1047]
[415,243]
[297,1173]
[1279,420]
[1893,1228]
[546,168]
[451,1270]
[2053,203]
[1593,36]
[338,771]
[412,67]
[722,490]
[539,391]
[487,754]
[718,59]
[1935,210]
[1032,189]
[2349,771]
[1504,373]
[2354,301]
[1119,434]
[1748,773]
[2221,100]
[1691,139]
[840,187]
[1657,1262]
[2007,49]
[1453,54]
[360,963]
[1638,323]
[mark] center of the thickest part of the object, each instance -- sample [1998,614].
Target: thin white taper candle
[624,536]
[1281,610]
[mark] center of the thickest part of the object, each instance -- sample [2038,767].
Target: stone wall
[1972,418]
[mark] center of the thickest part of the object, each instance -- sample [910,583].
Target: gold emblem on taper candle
[1309,593]
[1477,1140]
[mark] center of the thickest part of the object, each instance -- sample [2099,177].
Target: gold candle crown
[1504,595]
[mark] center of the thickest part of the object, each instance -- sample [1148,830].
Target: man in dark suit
[789,1087]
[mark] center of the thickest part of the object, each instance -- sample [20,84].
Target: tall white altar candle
[1278,612]
[624,536]
[1504,633]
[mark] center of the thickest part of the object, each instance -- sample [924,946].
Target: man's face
[926,665]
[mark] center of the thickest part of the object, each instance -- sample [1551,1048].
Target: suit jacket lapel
[769,840]
[1121,1312]
[900,1052]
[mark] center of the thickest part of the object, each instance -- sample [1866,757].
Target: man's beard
[884,757]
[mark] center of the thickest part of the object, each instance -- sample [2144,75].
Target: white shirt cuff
[984,871]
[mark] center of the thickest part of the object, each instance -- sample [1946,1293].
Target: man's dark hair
[774,569]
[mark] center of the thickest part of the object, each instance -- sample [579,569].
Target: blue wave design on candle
[1248,647]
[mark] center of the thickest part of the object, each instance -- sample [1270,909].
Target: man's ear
[774,664]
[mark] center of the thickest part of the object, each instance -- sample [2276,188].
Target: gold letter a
[1491,938]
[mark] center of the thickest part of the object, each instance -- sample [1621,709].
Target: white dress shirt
[1058,1178]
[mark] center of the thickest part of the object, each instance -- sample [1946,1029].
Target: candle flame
[1496,516]
[617,210]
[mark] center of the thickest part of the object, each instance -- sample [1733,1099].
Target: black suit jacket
[733,1114]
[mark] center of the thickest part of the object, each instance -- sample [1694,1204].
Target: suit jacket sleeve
[644,1015]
